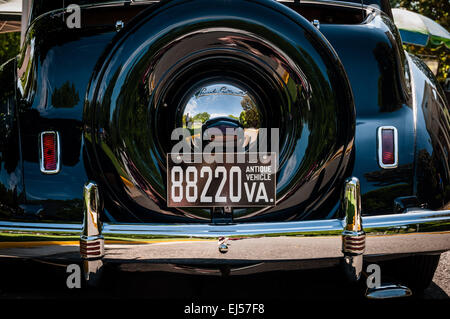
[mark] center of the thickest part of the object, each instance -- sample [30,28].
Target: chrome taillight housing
[49,152]
[388,147]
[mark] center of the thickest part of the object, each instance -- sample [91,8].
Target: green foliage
[201,117]
[380,200]
[9,46]
[442,54]
[66,96]
[249,117]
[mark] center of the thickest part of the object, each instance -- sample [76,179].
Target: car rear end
[207,137]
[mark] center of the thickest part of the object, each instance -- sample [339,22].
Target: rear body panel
[57,62]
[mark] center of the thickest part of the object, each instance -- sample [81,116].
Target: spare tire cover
[135,100]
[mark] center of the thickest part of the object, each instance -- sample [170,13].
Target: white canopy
[420,30]
[10,15]
[11,7]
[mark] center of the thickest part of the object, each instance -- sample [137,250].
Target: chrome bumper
[417,231]
[243,248]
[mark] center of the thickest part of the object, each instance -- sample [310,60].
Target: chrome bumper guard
[242,248]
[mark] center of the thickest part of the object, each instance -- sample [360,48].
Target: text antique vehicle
[234,136]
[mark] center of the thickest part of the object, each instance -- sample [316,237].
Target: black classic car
[115,116]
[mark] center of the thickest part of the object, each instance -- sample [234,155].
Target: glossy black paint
[265,48]
[41,7]
[377,68]
[11,171]
[432,173]
[56,65]
[53,74]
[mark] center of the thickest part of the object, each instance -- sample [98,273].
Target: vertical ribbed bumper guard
[353,236]
[91,239]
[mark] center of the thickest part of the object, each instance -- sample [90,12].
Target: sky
[216,105]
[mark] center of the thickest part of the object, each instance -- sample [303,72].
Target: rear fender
[432,172]
[11,170]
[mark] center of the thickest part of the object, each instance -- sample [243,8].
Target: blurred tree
[249,117]
[442,54]
[66,96]
[201,117]
[9,46]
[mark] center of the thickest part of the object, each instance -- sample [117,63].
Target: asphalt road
[440,287]
[28,279]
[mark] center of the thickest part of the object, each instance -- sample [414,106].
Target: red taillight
[49,152]
[387,139]
[387,142]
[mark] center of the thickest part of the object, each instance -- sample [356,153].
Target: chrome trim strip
[49,228]
[346,4]
[373,225]
[330,227]
[307,244]
[41,152]
[380,148]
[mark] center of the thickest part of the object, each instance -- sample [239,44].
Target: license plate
[234,180]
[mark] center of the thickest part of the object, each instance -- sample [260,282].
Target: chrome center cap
[223,106]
